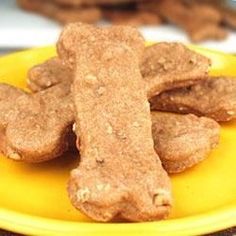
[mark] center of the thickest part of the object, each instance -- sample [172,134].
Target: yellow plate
[33,198]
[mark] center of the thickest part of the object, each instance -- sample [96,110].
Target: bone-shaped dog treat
[36,127]
[164,66]
[166,134]
[182,141]
[120,175]
[214,97]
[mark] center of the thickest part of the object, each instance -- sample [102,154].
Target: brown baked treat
[75,33]
[48,74]
[214,98]
[183,141]
[37,127]
[61,13]
[134,18]
[170,65]
[200,21]
[118,161]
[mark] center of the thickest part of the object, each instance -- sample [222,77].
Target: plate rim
[210,221]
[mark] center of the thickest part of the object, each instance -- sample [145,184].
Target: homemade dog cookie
[35,127]
[183,141]
[118,160]
[164,66]
[213,97]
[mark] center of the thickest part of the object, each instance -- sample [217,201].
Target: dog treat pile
[201,19]
[108,97]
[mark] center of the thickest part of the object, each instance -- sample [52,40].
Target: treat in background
[63,14]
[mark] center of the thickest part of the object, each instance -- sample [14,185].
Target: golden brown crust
[213,97]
